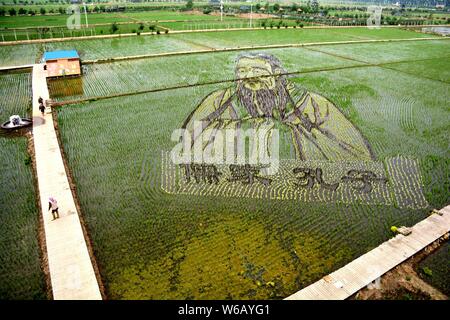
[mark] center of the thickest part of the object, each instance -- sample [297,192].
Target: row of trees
[31,2]
[22,11]
[310,7]
[43,11]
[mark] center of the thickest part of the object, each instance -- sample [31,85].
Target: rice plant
[21,276]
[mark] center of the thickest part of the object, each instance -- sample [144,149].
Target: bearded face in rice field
[261,85]
[262,92]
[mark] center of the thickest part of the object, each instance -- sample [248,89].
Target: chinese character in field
[314,126]
[308,177]
[247,174]
[362,180]
[201,173]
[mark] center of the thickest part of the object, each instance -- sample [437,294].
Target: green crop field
[13,28]
[151,244]
[102,80]
[434,269]
[58,20]
[156,237]
[137,45]
[21,276]
[121,77]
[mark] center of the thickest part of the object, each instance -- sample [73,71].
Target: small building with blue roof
[62,63]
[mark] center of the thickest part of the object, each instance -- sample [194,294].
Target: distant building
[214,3]
[62,63]
[440,6]
[244,8]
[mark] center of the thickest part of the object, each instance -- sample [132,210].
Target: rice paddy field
[435,269]
[31,27]
[94,49]
[150,244]
[98,18]
[21,275]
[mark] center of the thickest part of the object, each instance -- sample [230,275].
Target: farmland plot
[138,45]
[151,244]
[437,69]
[122,77]
[392,52]
[229,39]
[120,47]
[410,119]
[21,276]
[10,55]
[437,263]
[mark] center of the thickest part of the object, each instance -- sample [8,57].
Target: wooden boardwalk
[71,272]
[356,275]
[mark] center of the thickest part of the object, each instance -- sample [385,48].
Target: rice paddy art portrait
[328,160]
[261,94]
[284,155]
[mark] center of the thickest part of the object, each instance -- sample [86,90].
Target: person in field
[53,205]
[316,128]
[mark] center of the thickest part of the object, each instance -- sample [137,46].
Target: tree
[31,12]
[42,11]
[61,10]
[141,26]
[114,27]
[315,6]
[22,11]
[294,7]
[12,12]
[189,5]
[2,12]
[276,7]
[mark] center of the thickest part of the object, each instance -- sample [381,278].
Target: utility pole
[221,10]
[251,14]
[85,15]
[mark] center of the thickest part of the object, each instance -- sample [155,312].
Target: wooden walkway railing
[356,275]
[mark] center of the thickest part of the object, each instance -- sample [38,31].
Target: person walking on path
[42,108]
[40,100]
[53,204]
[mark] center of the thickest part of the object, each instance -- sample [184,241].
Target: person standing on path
[53,204]
[42,108]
